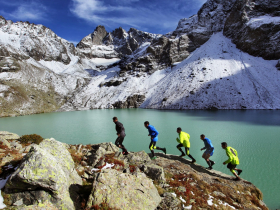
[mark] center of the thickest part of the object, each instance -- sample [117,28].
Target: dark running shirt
[119,128]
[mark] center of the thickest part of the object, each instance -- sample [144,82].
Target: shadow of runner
[197,167]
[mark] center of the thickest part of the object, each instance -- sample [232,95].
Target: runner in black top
[121,134]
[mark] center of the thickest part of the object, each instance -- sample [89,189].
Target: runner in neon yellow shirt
[184,141]
[232,161]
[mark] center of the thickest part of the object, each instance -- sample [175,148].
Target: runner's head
[202,136]
[224,145]
[146,124]
[179,130]
[115,119]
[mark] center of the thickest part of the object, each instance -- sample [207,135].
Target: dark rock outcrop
[131,102]
[278,65]
[254,27]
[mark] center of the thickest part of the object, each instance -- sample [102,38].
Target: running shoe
[182,155]
[164,150]
[239,171]
[153,158]
[193,161]
[237,179]
[210,168]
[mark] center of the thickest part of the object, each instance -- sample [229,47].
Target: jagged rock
[47,174]
[138,158]
[30,38]
[98,151]
[169,202]
[155,172]
[7,159]
[251,27]
[8,136]
[131,102]
[219,194]
[123,191]
[100,163]
[278,65]
[16,145]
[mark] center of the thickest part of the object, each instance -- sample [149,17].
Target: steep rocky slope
[98,176]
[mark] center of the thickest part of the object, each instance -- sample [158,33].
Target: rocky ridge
[55,175]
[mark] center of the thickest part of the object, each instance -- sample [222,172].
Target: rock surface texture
[45,175]
[54,175]
[124,191]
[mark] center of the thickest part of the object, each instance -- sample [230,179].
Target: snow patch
[257,22]
[108,165]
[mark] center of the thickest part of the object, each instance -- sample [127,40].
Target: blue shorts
[209,151]
[155,139]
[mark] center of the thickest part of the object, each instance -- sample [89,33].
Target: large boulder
[155,172]
[123,191]
[46,174]
[138,158]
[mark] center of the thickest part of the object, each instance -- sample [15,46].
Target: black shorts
[231,166]
[120,139]
[180,145]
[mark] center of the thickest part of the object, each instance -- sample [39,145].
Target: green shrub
[32,138]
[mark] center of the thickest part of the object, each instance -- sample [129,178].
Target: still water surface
[255,134]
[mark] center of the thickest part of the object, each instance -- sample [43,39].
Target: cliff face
[254,27]
[99,176]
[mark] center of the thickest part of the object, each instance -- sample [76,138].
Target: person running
[154,138]
[121,134]
[232,161]
[209,151]
[184,141]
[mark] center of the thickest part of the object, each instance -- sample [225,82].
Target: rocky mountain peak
[2,21]
[119,33]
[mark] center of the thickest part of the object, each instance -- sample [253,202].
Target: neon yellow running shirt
[232,156]
[184,139]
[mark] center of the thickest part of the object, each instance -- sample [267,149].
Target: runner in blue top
[209,150]
[154,138]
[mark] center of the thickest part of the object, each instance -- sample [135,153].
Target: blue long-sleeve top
[152,131]
[207,144]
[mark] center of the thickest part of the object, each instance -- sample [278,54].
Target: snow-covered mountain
[208,62]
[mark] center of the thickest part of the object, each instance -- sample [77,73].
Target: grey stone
[46,173]
[138,158]
[100,163]
[133,101]
[219,194]
[155,172]
[124,191]
[18,203]
[16,145]
[169,202]
[182,189]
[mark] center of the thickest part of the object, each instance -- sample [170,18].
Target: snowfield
[216,75]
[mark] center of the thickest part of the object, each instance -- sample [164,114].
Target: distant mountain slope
[202,64]
[215,76]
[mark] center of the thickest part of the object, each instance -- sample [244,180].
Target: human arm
[230,158]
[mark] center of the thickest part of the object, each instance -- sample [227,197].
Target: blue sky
[74,19]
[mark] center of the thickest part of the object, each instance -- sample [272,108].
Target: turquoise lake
[255,134]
